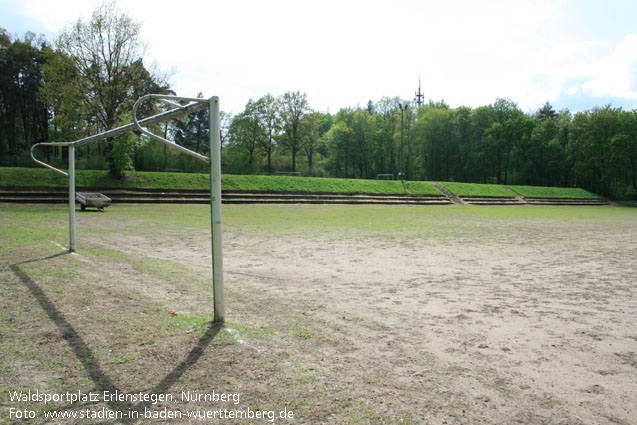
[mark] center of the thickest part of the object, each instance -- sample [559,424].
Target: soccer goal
[176,107]
[384,177]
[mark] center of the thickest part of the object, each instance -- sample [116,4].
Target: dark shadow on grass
[90,363]
[167,382]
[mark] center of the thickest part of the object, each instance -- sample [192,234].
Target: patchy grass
[103,318]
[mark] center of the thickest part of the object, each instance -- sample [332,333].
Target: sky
[577,54]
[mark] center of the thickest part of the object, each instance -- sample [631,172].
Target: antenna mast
[420,97]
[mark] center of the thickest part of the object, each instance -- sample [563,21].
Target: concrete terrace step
[190,196]
[491,200]
[60,195]
[568,201]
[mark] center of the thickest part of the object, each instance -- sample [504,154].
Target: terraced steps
[186,196]
[332,198]
[567,201]
[60,195]
[491,200]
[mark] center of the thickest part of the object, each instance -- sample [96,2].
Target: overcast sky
[575,54]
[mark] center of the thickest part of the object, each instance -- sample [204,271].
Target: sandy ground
[510,322]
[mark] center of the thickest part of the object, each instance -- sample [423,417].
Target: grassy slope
[309,184]
[230,182]
[89,178]
[475,189]
[552,192]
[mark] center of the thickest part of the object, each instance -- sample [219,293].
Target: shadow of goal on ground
[84,354]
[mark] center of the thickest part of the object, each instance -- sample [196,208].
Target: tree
[106,53]
[121,156]
[269,109]
[385,150]
[225,119]
[479,166]
[501,136]
[246,132]
[540,158]
[624,145]
[310,135]
[23,111]
[294,107]
[193,131]
[338,137]
[363,136]
[595,130]
[546,112]
[433,131]
[461,122]
[63,97]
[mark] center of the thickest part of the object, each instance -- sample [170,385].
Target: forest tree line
[496,143]
[87,81]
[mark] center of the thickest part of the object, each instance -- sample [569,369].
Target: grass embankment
[553,192]
[475,189]
[24,177]
[30,177]
[310,184]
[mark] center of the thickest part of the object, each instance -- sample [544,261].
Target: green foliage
[247,132]
[105,52]
[121,157]
[23,109]
[294,108]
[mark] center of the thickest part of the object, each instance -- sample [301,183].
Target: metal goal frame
[177,110]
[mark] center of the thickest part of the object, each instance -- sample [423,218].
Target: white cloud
[343,53]
[614,73]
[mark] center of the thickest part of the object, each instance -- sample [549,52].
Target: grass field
[341,314]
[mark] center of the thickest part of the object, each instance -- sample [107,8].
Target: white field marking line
[58,245]
[74,254]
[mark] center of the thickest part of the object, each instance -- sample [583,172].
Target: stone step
[491,200]
[568,200]
[571,203]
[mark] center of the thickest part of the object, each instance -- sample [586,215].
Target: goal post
[215,211]
[178,110]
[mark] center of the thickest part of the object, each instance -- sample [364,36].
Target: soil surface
[465,319]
